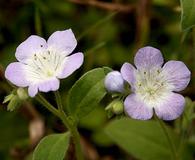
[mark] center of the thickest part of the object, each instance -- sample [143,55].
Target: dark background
[108,32]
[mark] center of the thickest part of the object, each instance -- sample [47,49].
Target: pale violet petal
[71,64]
[49,85]
[177,75]
[63,41]
[147,58]
[128,74]
[171,107]
[32,45]
[15,73]
[32,90]
[114,82]
[137,109]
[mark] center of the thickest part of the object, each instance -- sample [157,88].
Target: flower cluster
[153,86]
[41,64]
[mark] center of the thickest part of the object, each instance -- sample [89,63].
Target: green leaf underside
[52,147]
[87,92]
[144,140]
[188,14]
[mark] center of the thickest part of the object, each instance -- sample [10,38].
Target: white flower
[41,64]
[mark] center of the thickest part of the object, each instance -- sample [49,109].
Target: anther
[35,56]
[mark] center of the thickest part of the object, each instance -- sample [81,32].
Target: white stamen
[151,86]
[44,65]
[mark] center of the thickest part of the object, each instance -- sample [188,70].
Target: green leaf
[97,119]
[145,140]
[188,14]
[52,147]
[87,92]
[100,138]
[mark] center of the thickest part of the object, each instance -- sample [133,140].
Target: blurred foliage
[14,133]
[188,14]
[107,38]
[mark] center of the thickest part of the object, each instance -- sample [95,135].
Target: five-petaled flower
[41,64]
[153,86]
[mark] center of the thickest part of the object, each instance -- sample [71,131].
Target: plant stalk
[47,105]
[71,126]
[171,144]
[68,123]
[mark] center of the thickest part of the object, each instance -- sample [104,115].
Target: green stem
[38,28]
[75,135]
[171,144]
[59,101]
[62,115]
[71,126]
[45,103]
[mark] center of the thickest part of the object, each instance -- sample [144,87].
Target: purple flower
[153,86]
[41,64]
[114,82]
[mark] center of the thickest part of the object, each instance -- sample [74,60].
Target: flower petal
[136,109]
[171,108]
[32,45]
[148,57]
[128,73]
[49,85]
[71,64]
[32,90]
[114,82]
[63,41]
[15,73]
[177,74]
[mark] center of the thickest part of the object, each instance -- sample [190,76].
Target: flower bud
[14,103]
[12,100]
[15,99]
[22,93]
[114,82]
[116,107]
